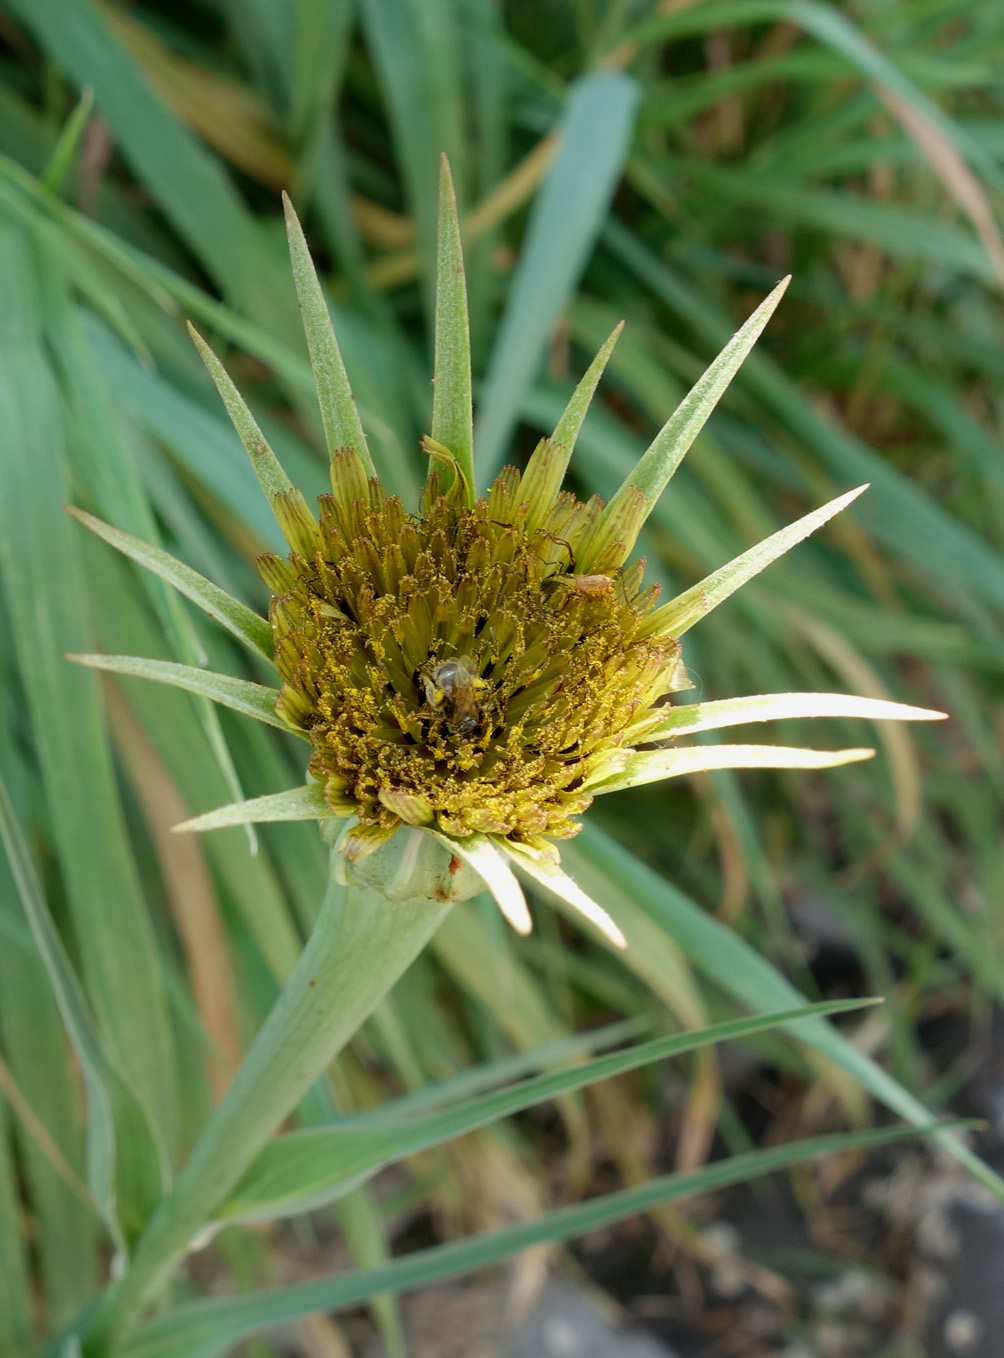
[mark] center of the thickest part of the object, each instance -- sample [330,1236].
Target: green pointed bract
[342,426]
[545,471]
[472,674]
[553,879]
[688,718]
[680,614]
[652,766]
[242,622]
[486,860]
[299,803]
[252,700]
[633,503]
[267,467]
[452,414]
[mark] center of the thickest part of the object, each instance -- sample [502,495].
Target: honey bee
[454,688]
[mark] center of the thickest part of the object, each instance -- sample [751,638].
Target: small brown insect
[455,688]
[589,586]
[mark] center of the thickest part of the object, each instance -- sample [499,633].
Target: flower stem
[361,944]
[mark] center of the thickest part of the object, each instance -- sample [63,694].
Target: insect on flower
[526,580]
[455,689]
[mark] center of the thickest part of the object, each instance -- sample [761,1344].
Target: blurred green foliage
[663,163]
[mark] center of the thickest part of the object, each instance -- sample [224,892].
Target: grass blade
[126,1170]
[299,1171]
[205,1329]
[565,221]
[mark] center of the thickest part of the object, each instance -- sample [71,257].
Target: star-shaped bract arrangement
[472,672]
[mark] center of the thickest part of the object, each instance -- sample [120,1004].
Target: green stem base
[361,944]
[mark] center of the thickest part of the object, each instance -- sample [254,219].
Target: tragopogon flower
[470,674]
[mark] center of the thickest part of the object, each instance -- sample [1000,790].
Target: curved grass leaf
[727,960]
[565,221]
[300,1171]
[205,1329]
[252,700]
[126,1171]
[242,622]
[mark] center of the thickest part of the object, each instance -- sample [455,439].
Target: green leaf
[342,426]
[688,718]
[126,1169]
[565,221]
[204,1329]
[602,865]
[185,179]
[300,803]
[47,613]
[303,1169]
[652,766]
[630,507]
[64,153]
[242,622]
[452,418]
[680,614]
[253,700]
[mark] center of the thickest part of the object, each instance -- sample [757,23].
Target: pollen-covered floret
[451,668]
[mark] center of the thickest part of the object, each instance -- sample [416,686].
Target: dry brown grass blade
[953,172]
[226,113]
[38,1132]
[507,197]
[189,888]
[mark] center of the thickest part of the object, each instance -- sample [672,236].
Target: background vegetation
[664,163]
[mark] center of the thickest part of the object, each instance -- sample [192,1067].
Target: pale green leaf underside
[496,874]
[253,700]
[679,614]
[553,879]
[306,1168]
[298,803]
[688,718]
[242,622]
[342,426]
[452,416]
[651,766]
[655,469]
[205,1329]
